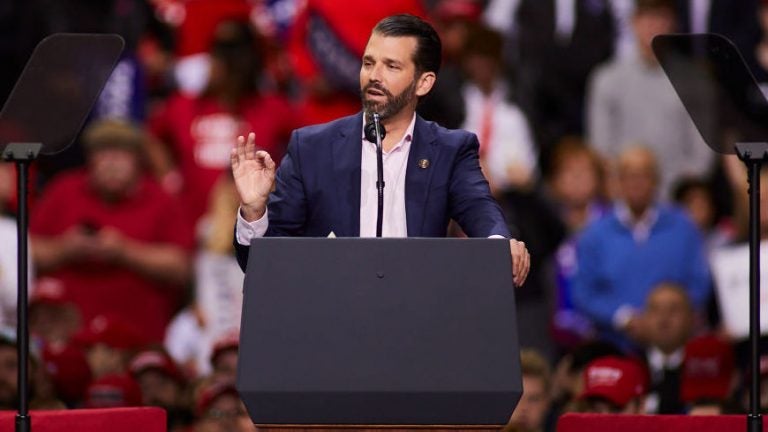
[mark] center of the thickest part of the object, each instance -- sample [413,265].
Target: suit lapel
[347,154]
[418,176]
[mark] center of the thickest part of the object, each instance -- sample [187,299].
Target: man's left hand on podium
[521,261]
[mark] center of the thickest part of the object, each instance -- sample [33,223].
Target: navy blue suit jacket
[318,184]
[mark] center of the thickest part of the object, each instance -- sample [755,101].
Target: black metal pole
[379,175]
[22,332]
[753,154]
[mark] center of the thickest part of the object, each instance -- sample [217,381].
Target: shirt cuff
[246,231]
[622,316]
[496,236]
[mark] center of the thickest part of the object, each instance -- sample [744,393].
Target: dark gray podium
[379,332]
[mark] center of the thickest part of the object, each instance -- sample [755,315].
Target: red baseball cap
[447,10]
[112,391]
[708,368]
[69,371]
[50,291]
[155,360]
[227,341]
[110,331]
[616,379]
[213,391]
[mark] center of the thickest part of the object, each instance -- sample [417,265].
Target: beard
[394,103]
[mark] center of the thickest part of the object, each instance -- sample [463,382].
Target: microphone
[370,131]
[375,133]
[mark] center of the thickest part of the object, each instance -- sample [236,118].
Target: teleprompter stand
[42,115]
[731,113]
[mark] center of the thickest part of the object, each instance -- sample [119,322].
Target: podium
[379,334]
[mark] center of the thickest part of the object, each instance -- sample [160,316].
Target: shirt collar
[641,227]
[658,361]
[407,137]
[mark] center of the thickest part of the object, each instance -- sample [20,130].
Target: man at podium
[326,183]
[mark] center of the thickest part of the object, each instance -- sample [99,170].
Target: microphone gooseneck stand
[375,133]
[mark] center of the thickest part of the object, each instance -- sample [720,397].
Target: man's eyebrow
[391,61]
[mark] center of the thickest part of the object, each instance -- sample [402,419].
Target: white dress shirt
[394,225]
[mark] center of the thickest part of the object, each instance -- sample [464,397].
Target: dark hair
[484,41]
[686,185]
[428,55]
[643,6]
[239,49]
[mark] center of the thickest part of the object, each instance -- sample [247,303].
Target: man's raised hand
[254,175]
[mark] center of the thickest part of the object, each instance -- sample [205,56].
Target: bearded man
[327,181]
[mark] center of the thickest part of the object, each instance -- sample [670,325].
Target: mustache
[377,86]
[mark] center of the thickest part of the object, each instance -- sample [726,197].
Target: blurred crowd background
[637,300]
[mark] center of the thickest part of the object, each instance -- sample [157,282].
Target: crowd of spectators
[637,230]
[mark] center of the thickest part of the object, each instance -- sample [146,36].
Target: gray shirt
[630,103]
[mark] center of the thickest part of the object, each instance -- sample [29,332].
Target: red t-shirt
[149,215]
[200,134]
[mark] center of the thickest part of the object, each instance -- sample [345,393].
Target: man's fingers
[526,266]
[234,159]
[239,150]
[264,160]
[268,162]
[521,261]
[250,146]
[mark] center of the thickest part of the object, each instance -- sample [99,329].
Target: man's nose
[375,73]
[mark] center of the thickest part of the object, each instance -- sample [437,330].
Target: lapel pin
[423,163]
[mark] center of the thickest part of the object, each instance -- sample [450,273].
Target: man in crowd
[630,100]
[640,244]
[110,234]
[668,320]
[613,385]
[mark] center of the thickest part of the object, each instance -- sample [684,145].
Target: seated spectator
[630,100]
[575,185]
[113,391]
[567,379]
[640,244]
[613,385]
[668,321]
[224,357]
[709,378]
[695,196]
[162,385]
[40,386]
[530,415]
[9,371]
[52,316]
[108,343]
[69,372]
[220,409]
[116,241]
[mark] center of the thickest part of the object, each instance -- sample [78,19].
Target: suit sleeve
[470,200]
[287,205]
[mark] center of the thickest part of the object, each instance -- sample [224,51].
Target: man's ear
[424,83]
